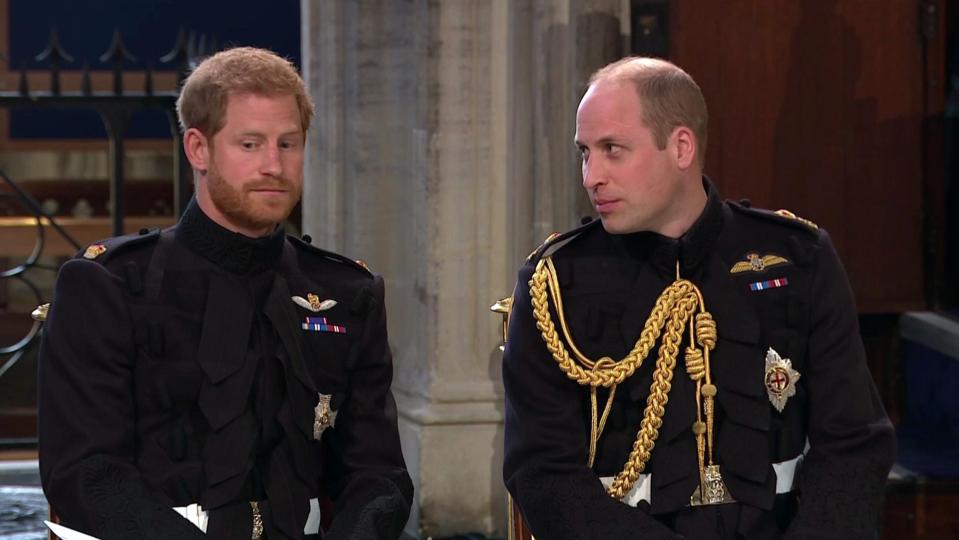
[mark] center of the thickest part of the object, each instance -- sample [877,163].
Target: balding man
[685,367]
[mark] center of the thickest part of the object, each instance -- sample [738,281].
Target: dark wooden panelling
[817,106]
[880,338]
[921,510]
[18,426]
[933,16]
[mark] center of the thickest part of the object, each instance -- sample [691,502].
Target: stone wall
[442,154]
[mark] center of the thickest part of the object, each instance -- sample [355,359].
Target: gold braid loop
[695,365]
[705,330]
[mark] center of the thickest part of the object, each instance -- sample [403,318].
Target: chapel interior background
[441,155]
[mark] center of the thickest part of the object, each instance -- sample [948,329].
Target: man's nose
[271,164]
[594,173]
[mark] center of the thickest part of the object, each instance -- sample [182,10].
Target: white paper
[66,533]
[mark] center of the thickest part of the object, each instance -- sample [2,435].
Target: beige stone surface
[442,154]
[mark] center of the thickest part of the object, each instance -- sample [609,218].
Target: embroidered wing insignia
[757,263]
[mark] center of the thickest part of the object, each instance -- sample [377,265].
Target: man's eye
[612,148]
[248,145]
[583,152]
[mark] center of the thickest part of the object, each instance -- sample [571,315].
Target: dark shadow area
[951,155]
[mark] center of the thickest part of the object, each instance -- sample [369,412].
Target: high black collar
[230,251]
[691,249]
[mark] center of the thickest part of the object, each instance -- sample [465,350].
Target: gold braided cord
[619,371]
[554,291]
[596,429]
[593,427]
[674,310]
[696,369]
[706,337]
[708,409]
[705,331]
[695,365]
[656,402]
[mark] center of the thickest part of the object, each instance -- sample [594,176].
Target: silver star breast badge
[780,379]
[323,416]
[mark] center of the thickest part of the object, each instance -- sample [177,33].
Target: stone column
[442,154]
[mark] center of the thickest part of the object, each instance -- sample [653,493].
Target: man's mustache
[274,184]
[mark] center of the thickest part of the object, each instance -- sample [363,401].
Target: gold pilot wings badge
[780,379]
[313,303]
[323,415]
[757,263]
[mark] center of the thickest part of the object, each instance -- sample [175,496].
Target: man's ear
[684,147]
[197,149]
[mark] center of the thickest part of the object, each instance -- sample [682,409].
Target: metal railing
[19,271]
[115,107]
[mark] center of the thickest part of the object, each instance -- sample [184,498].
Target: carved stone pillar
[442,154]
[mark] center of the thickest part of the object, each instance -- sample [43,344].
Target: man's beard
[251,212]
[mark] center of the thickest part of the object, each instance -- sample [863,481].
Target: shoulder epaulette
[104,250]
[787,214]
[784,217]
[557,240]
[335,257]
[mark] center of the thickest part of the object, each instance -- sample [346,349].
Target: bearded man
[219,378]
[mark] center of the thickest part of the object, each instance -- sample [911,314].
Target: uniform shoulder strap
[104,250]
[782,216]
[305,246]
[556,241]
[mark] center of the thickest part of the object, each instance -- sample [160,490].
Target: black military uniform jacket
[609,285]
[176,369]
